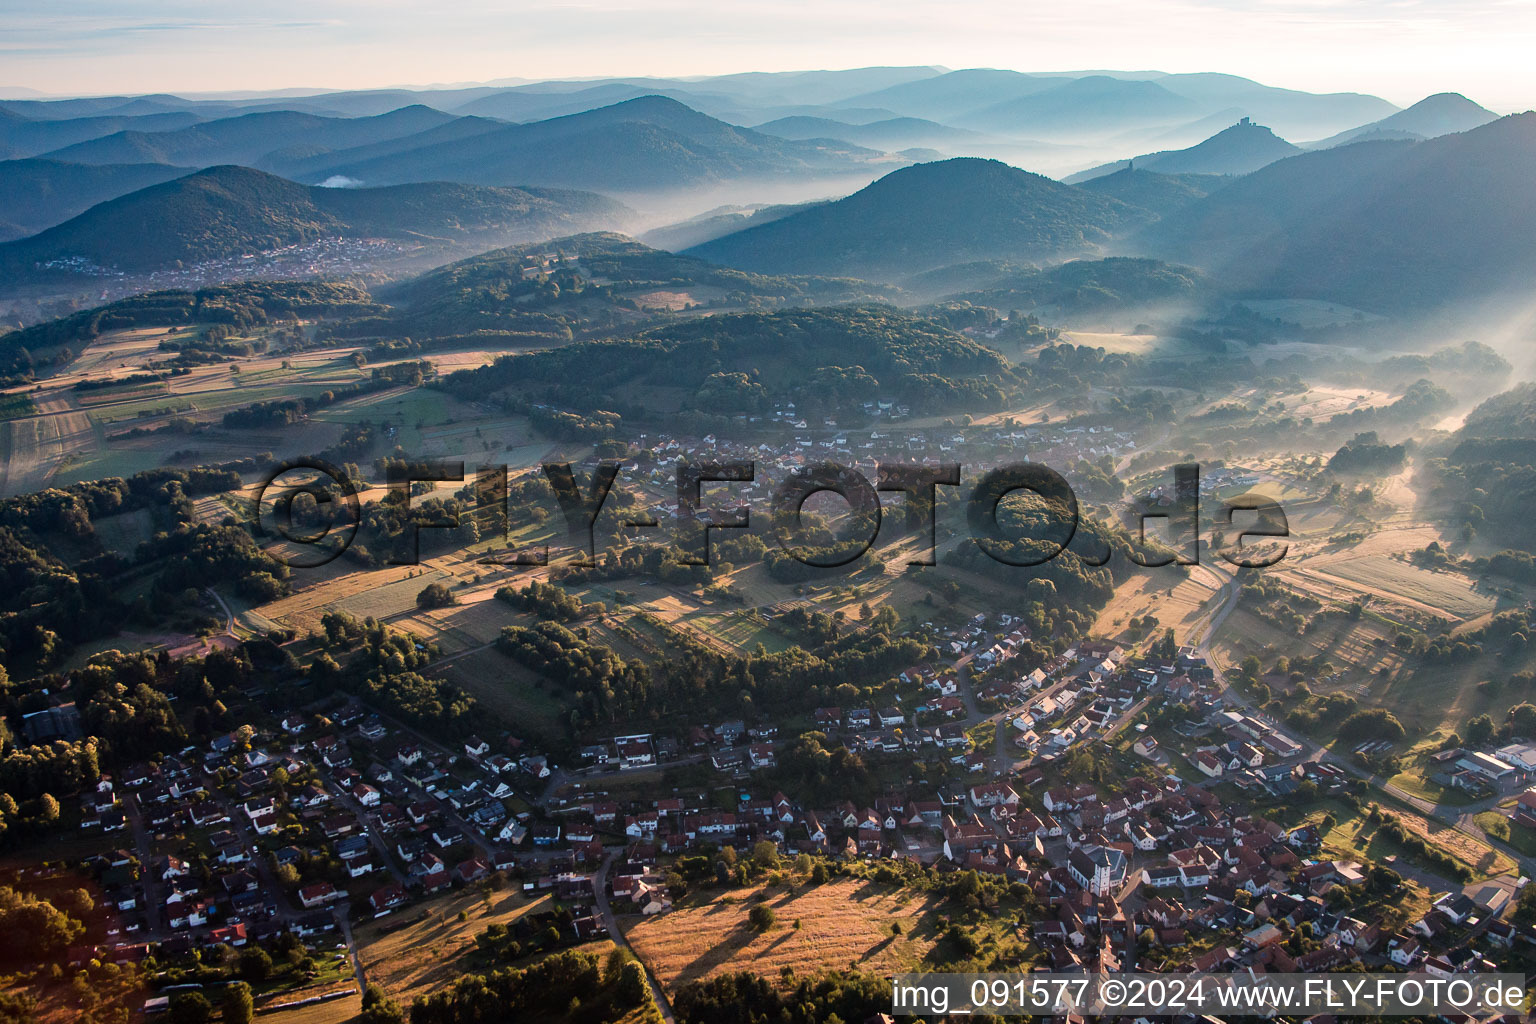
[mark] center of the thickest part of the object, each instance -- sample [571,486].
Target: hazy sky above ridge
[1399,49]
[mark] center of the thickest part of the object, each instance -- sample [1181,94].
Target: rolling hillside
[227,211]
[1088,287]
[739,363]
[715,223]
[37,194]
[1154,191]
[491,291]
[928,216]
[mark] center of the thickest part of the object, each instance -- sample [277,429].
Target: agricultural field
[57,434]
[1447,594]
[335,1011]
[843,924]
[387,600]
[1309,312]
[1112,342]
[421,948]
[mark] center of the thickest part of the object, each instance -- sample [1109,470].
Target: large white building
[1520,755]
[1099,869]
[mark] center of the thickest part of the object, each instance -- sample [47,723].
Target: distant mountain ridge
[856,95]
[1011,101]
[249,138]
[22,137]
[1089,106]
[890,134]
[227,211]
[651,143]
[1431,117]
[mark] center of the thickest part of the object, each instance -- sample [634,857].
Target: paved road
[369,823]
[344,921]
[154,919]
[600,894]
[229,616]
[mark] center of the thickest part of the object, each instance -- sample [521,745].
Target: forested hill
[928,216]
[743,363]
[228,211]
[37,194]
[568,284]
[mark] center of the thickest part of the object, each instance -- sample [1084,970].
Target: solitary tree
[237,1004]
[255,963]
[632,986]
[190,1008]
[435,595]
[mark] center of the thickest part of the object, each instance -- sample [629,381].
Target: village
[338,815]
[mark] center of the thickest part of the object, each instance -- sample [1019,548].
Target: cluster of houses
[343,799]
[862,449]
[1089,691]
[1199,868]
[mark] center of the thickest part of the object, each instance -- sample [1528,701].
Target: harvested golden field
[475,621]
[416,950]
[1177,603]
[319,590]
[1485,860]
[845,923]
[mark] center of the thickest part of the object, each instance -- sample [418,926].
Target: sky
[1402,50]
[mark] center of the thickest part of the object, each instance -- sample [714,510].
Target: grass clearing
[510,691]
[1177,604]
[387,600]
